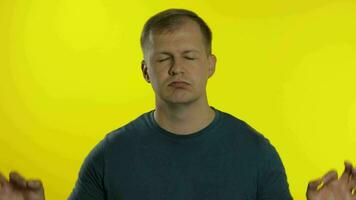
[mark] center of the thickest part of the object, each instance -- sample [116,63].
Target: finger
[352,181]
[3,182]
[2,179]
[35,184]
[347,172]
[329,177]
[313,185]
[351,185]
[17,180]
[353,194]
[353,176]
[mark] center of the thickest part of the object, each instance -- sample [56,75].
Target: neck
[184,119]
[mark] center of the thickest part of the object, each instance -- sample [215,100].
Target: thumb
[313,185]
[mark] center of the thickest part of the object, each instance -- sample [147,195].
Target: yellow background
[70,73]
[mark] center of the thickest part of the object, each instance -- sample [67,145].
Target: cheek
[157,77]
[152,72]
[201,73]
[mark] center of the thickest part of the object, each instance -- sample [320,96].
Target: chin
[181,100]
[178,97]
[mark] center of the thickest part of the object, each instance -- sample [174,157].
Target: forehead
[186,36]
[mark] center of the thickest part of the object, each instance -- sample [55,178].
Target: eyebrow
[188,51]
[184,52]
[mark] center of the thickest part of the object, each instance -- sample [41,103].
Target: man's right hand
[17,188]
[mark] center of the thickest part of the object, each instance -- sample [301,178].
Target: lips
[178,84]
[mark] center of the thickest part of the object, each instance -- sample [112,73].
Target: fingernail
[33,183]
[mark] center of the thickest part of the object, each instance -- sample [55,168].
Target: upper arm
[90,182]
[272,183]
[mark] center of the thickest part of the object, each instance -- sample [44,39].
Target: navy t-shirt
[227,160]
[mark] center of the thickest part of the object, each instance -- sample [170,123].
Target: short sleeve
[90,182]
[272,183]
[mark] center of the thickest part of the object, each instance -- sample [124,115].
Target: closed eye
[164,59]
[190,58]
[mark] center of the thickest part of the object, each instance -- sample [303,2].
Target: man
[184,149]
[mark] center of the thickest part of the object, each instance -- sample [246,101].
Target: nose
[177,67]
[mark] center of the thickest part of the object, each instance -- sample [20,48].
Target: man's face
[177,64]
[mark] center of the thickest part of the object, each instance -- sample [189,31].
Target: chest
[184,173]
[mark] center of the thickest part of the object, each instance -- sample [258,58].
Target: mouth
[179,84]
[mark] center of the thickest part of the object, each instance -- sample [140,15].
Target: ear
[212,64]
[144,71]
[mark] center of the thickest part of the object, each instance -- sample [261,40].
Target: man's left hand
[330,187]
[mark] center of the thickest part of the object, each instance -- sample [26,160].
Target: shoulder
[130,129]
[126,136]
[253,143]
[242,131]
